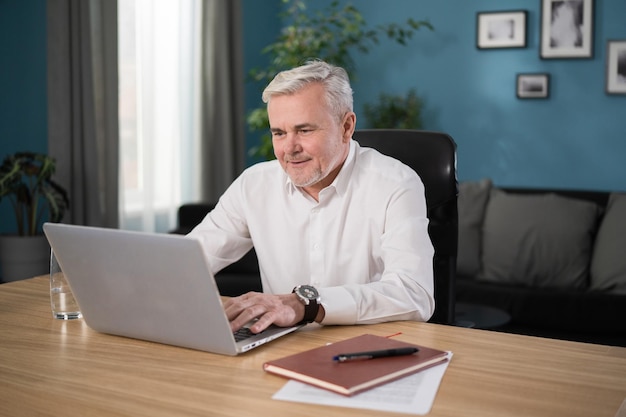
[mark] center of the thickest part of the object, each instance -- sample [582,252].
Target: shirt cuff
[339,306]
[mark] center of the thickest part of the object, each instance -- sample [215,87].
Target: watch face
[308,292]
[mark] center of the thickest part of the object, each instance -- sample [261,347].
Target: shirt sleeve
[223,233]
[405,289]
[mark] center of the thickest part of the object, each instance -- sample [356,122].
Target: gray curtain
[223,145]
[83,106]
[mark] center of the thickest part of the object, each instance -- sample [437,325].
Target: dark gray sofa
[554,260]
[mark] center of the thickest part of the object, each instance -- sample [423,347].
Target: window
[159,116]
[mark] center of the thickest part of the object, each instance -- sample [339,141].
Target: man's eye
[306,131]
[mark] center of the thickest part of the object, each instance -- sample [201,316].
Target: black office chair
[433,156]
[236,279]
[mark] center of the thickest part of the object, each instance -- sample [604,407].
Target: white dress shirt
[364,245]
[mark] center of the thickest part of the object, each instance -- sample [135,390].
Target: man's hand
[282,310]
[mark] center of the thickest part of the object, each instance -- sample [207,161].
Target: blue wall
[261,26]
[23,106]
[574,139]
[23,98]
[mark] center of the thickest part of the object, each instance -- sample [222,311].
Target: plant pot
[23,257]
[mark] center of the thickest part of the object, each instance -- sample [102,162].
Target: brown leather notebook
[320,368]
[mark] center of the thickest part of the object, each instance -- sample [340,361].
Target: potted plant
[26,182]
[331,35]
[395,111]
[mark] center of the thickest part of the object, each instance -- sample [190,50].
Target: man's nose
[291,143]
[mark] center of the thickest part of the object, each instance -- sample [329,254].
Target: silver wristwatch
[310,297]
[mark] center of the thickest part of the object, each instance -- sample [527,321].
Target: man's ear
[348,124]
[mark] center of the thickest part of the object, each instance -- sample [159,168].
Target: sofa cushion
[540,240]
[472,200]
[608,263]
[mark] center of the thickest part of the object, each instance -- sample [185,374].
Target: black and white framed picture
[567,29]
[616,67]
[505,29]
[533,85]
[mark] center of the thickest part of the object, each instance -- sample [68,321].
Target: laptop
[148,286]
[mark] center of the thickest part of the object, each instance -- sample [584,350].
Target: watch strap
[310,312]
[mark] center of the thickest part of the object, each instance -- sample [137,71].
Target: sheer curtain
[159,67]
[181,106]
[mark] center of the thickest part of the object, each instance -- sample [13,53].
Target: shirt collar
[343,178]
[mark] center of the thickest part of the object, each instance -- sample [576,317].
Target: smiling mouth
[297,162]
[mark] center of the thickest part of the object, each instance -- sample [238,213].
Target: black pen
[345,357]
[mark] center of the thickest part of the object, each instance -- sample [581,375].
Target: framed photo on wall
[566,29]
[506,29]
[616,66]
[533,85]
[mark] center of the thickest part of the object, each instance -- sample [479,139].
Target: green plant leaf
[395,111]
[25,179]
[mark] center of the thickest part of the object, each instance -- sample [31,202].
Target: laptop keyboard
[243,334]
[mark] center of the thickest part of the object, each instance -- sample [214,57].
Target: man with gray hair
[340,231]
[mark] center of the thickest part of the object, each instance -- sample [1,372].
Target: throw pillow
[608,263]
[473,196]
[540,240]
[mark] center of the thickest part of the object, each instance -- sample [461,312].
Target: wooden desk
[51,367]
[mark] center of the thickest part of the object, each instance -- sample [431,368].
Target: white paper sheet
[413,394]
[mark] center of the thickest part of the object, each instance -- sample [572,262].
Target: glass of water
[62,300]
